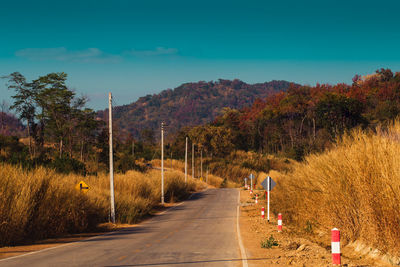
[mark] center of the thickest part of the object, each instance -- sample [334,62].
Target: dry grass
[231,171]
[41,203]
[210,179]
[354,187]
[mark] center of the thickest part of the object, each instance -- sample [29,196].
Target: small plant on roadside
[269,242]
[308,228]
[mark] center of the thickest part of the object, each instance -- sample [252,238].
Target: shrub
[67,165]
[269,242]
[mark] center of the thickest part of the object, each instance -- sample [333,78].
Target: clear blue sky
[134,48]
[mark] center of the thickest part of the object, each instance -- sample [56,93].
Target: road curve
[199,232]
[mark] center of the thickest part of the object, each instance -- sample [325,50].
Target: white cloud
[90,55]
[159,51]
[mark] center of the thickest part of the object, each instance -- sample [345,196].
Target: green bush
[126,163]
[68,165]
[269,242]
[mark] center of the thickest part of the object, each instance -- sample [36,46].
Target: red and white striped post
[251,192]
[279,222]
[262,213]
[256,198]
[335,246]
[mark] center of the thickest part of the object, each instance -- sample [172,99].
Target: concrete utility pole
[201,163]
[269,192]
[162,162]
[111,158]
[207,175]
[193,160]
[251,182]
[186,148]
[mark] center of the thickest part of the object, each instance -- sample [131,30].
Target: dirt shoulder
[289,248]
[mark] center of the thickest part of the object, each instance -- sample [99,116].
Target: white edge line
[93,237]
[242,250]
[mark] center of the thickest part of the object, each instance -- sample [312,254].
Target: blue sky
[134,48]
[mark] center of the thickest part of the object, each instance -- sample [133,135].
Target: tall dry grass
[41,203]
[354,187]
[210,179]
[240,164]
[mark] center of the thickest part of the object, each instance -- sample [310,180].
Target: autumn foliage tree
[306,118]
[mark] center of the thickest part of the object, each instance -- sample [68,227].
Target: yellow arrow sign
[82,187]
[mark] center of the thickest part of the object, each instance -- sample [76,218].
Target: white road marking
[242,250]
[93,237]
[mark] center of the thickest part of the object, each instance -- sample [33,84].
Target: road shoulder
[290,249]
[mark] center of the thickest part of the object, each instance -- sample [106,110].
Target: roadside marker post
[262,213]
[245,182]
[256,198]
[279,222]
[335,245]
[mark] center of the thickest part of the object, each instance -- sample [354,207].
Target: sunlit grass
[41,203]
[354,187]
[211,179]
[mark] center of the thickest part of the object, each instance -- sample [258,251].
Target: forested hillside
[189,104]
[218,117]
[302,119]
[10,125]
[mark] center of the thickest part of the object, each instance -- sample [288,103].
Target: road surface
[202,231]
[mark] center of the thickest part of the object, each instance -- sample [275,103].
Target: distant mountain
[10,125]
[189,104]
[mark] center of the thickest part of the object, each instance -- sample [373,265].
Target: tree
[212,139]
[55,100]
[338,113]
[147,136]
[86,127]
[24,103]
[3,112]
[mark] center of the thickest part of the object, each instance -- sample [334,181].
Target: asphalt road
[202,231]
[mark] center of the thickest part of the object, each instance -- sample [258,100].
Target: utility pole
[186,148]
[162,162]
[193,160]
[133,149]
[111,158]
[207,175]
[201,163]
[269,193]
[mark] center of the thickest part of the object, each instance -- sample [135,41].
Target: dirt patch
[265,246]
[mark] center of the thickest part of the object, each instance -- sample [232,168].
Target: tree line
[62,132]
[301,120]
